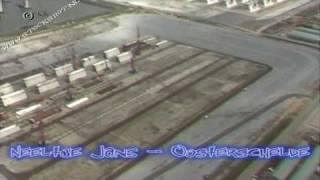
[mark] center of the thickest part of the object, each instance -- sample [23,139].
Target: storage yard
[120,107]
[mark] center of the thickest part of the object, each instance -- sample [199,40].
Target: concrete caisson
[9,131]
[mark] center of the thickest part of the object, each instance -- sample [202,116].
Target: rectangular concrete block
[100,66]
[34,80]
[1,6]
[111,53]
[6,89]
[213,1]
[268,3]
[89,61]
[63,70]
[48,85]
[77,103]
[9,131]
[28,110]
[85,62]
[231,3]
[254,6]
[162,43]
[14,97]
[151,40]
[76,75]
[125,57]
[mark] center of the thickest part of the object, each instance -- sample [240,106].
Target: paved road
[294,67]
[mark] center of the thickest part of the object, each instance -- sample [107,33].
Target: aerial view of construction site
[159,90]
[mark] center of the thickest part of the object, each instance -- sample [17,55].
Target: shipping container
[14,97]
[34,80]
[63,70]
[28,110]
[6,89]
[9,131]
[125,57]
[111,53]
[77,103]
[78,74]
[100,66]
[48,85]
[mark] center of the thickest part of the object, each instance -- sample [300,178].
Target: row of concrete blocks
[254,5]
[9,96]
[26,5]
[15,96]
[10,130]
